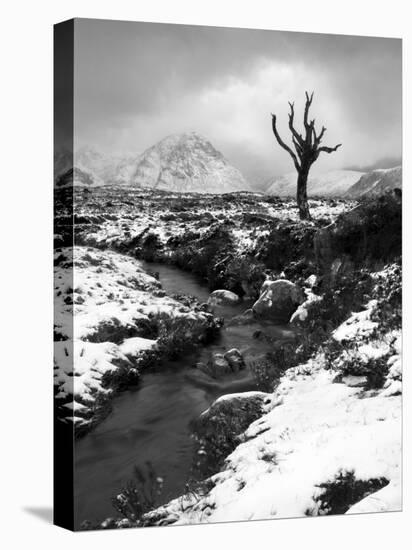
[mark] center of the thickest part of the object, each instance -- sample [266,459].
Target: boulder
[217,366]
[222,298]
[302,312]
[278,300]
[235,359]
[220,364]
[219,427]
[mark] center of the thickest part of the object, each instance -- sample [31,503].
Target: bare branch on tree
[309,99]
[329,149]
[295,134]
[283,144]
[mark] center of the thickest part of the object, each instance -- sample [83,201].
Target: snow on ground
[97,321]
[316,429]
[357,325]
[165,217]
[108,289]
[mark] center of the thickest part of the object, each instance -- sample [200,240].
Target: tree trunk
[302,197]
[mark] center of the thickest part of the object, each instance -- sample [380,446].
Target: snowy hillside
[114,169]
[79,178]
[178,163]
[291,459]
[92,168]
[376,182]
[187,163]
[329,184]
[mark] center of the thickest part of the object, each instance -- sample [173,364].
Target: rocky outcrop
[278,300]
[220,365]
[219,427]
[235,359]
[223,298]
[237,410]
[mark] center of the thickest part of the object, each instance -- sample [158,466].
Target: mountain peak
[187,162]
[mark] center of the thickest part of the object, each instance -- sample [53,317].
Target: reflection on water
[151,423]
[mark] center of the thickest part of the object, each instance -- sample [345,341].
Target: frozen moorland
[322,432]
[104,309]
[329,440]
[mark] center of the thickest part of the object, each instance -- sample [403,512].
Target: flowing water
[151,423]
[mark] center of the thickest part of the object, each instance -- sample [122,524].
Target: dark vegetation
[338,495]
[218,431]
[140,495]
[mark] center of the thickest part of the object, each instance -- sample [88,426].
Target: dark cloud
[138,82]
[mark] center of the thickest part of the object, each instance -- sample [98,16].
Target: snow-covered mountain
[187,163]
[180,163]
[92,168]
[330,184]
[78,178]
[110,169]
[376,182]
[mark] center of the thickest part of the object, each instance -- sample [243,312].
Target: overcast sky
[136,83]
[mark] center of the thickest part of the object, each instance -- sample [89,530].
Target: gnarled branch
[283,144]
[309,99]
[295,133]
[329,149]
[318,139]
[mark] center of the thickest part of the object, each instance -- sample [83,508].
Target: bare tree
[307,149]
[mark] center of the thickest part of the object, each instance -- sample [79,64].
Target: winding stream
[151,423]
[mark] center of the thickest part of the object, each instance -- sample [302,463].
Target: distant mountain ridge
[179,163]
[330,184]
[376,182]
[87,167]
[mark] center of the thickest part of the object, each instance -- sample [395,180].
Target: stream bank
[152,422]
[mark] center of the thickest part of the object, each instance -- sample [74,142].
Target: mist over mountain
[180,163]
[330,184]
[376,183]
[386,162]
[187,163]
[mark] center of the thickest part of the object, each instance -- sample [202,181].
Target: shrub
[268,369]
[244,274]
[373,231]
[338,495]
[150,245]
[388,292]
[122,378]
[140,495]
[113,331]
[179,335]
[287,242]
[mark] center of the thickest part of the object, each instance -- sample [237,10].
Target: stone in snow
[355,381]
[217,366]
[278,300]
[231,414]
[235,359]
[223,297]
